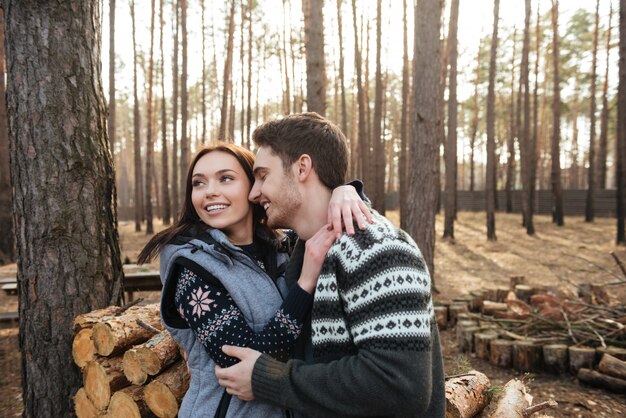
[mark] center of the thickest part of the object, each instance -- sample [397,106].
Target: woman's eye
[224,179]
[197,183]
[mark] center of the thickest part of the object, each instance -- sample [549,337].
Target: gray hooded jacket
[255,293]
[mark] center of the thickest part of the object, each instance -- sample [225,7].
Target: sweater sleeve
[211,313]
[386,364]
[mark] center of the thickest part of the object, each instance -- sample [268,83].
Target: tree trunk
[620,138]
[362,133]
[176,197]
[574,168]
[402,169]
[314,46]
[203,97]
[604,116]
[474,126]
[137,133]
[70,257]
[149,127]
[7,238]
[425,122]
[249,109]
[224,134]
[525,139]
[534,140]
[451,147]
[557,190]
[491,137]
[591,177]
[510,164]
[287,86]
[184,96]
[111,121]
[344,112]
[378,137]
[166,213]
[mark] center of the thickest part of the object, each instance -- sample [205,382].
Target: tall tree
[534,139]
[224,133]
[491,121]
[7,238]
[287,85]
[136,132]
[557,190]
[589,206]
[314,46]
[175,170]
[378,137]
[425,120]
[63,178]
[111,120]
[510,162]
[166,213]
[185,150]
[604,116]
[249,87]
[149,127]
[362,132]
[451,148]
[404,134]
[474,125]
[203,98]
[525,139]
[620,138]
[342,82]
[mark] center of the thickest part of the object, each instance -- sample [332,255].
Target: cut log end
[83,407]
[132,368]
[161,400]
[128,403]
[83,349]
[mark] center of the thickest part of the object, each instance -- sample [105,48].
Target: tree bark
[344,112]
[466,395]
[620,138]
[425,122]
[176,197]
[111,120]
[362,133]
[63,178]
[404,134]
[166,213]
[451,147]
[510,164]
[475,110]
[149,127]
[224,134]
[378,137]
[523,101]
[314,46]
[136,133]
[604,116]
[557,189]
[591,176]
[7,238]
[491,136]
[249,109]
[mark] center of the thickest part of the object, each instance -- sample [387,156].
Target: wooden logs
[523,292]
[516,280]
[527,356]
[612,366]
[89,319]
[83,407]
[466,395]
[617,352]
[441,316]
[101,378]
[581,357]
[164,394]
[83,349]
[490,308]
[454,310]
[482,341]
[476,303]
[149,358]
[119,333]
[600,380]
[128,403]
[512,402]
[464,341]
[501,294]
[500,352]
[555,358]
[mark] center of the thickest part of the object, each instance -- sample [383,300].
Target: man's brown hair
[307,133]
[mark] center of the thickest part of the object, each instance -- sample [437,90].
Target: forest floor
[556,256]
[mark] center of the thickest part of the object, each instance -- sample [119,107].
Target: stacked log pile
[131,367]
[537,329]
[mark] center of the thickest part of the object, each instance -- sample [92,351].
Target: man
[375,341]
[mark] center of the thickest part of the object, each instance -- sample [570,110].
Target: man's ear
[303,167]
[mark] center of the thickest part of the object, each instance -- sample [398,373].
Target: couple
[359,341]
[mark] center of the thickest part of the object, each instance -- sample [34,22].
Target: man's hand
[237,379]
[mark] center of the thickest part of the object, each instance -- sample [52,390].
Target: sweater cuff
[267,376]
[298,303]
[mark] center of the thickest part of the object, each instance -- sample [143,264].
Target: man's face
[275,190]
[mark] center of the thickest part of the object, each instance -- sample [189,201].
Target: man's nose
[255,193]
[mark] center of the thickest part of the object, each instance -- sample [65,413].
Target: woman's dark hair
[189,219]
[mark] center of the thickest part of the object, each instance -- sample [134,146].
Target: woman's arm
[216,320]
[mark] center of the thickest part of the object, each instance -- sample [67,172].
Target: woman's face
[219,195]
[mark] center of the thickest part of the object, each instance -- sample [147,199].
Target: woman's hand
[345,204]
[314,254]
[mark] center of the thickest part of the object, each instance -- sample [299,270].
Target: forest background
[503,100]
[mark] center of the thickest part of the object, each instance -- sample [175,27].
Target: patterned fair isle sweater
[375,341]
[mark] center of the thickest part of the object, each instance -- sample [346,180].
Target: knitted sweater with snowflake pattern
[375,342]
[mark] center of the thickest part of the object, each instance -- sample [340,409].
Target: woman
[222,272]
